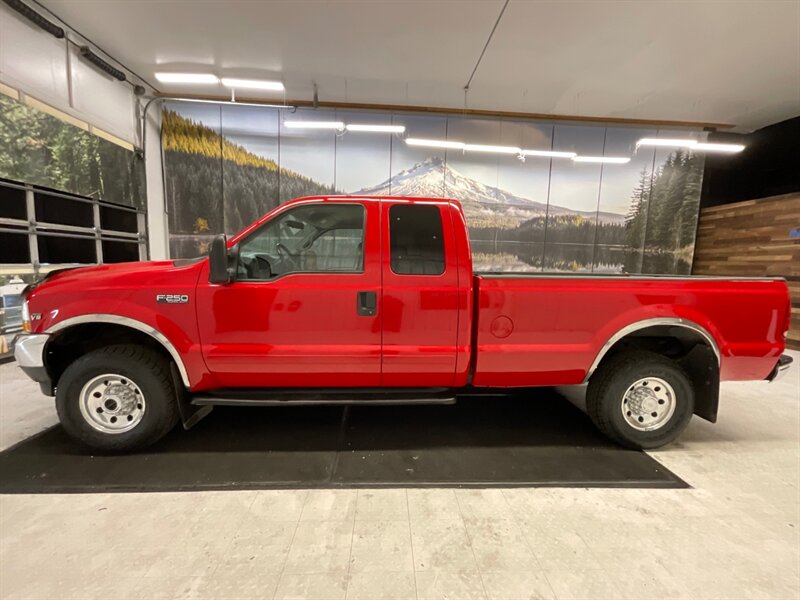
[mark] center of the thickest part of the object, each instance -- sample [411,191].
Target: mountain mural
[216,184]
[484,205]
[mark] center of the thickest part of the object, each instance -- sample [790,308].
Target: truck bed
[550,329]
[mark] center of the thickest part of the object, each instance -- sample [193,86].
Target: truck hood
[119,275]
[129,290]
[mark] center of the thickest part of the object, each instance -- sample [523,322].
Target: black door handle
[367,304]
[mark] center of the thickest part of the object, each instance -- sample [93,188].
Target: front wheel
[117,398]
[640,399]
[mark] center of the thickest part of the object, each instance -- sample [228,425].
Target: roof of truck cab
[337,197]
[369,197]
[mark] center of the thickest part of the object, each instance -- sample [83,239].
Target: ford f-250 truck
[373,300]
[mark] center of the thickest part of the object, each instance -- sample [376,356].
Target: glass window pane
[62,211]
[117,252]
[115,219]
[57,250]
[12,203]
[315,238]
[16,249]
[415,239]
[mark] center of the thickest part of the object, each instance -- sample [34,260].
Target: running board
[295,397]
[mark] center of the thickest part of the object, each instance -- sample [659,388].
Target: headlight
[26,317]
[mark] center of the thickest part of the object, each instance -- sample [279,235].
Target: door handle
[367,304]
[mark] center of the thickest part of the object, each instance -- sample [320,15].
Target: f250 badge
[172,298]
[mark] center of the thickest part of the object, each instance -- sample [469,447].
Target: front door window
[317,238]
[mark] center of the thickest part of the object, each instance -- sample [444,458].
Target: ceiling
[708,61]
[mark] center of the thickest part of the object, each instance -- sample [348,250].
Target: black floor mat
[488,441]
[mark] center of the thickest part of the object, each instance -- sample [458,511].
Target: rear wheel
[117,398]
[640,399]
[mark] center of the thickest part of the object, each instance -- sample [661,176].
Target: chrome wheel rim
[112,403]
[648,404]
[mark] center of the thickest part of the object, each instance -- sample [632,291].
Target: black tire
[608,386]
[150,372]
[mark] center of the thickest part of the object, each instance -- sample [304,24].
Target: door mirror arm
[233,262]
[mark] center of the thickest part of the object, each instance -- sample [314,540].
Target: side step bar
[297,397]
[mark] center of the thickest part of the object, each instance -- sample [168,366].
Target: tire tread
[601,380]
[156,365]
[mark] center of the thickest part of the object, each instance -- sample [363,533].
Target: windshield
[11,301]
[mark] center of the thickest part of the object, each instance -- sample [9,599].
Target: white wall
[51,70]
[157,233]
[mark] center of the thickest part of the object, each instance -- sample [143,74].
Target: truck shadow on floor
[533,439]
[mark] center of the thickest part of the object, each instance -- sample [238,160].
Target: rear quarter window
[416,241]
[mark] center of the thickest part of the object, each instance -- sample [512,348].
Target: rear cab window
[416,240]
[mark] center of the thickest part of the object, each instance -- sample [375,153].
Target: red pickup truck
[373,300]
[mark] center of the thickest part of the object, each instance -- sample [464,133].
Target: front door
[303,309]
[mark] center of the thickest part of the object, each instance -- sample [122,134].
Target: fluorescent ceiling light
[497,149]
[253,84]
[435,143]
[376,128]
[314,124]
[727,148]
[671,142]
[551,153]
[617,160]
[691,144]
[187,78]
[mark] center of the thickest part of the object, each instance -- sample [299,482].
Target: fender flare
[133,324]
[645,323]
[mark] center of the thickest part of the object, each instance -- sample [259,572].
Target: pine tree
[635,219]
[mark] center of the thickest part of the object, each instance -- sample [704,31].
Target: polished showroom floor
[735,534]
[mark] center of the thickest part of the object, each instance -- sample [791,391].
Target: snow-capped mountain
[433,178]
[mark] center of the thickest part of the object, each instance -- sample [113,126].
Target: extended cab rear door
[420,293]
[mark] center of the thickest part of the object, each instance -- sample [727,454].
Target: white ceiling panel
[714,61]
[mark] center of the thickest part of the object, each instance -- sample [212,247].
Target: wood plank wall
[753,238]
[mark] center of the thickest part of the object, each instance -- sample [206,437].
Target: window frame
[442,235]
[236,248]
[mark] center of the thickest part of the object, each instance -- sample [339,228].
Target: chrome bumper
[29,349]
[29,354]
[781,367]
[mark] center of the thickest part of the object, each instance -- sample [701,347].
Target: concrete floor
[736,534]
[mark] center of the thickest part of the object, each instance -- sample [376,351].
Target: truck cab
[345,293]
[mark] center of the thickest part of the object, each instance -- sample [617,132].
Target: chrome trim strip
[132,323]
[29,349]
[621,276]
[669,321]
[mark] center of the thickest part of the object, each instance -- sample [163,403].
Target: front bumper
[29,354]
[781,367]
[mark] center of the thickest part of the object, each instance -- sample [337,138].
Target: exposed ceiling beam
[666,123]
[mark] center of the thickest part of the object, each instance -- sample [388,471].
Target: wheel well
[690,349]
[73,342]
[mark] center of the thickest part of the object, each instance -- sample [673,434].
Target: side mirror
[218,260]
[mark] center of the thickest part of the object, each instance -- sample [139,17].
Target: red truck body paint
[448,330]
